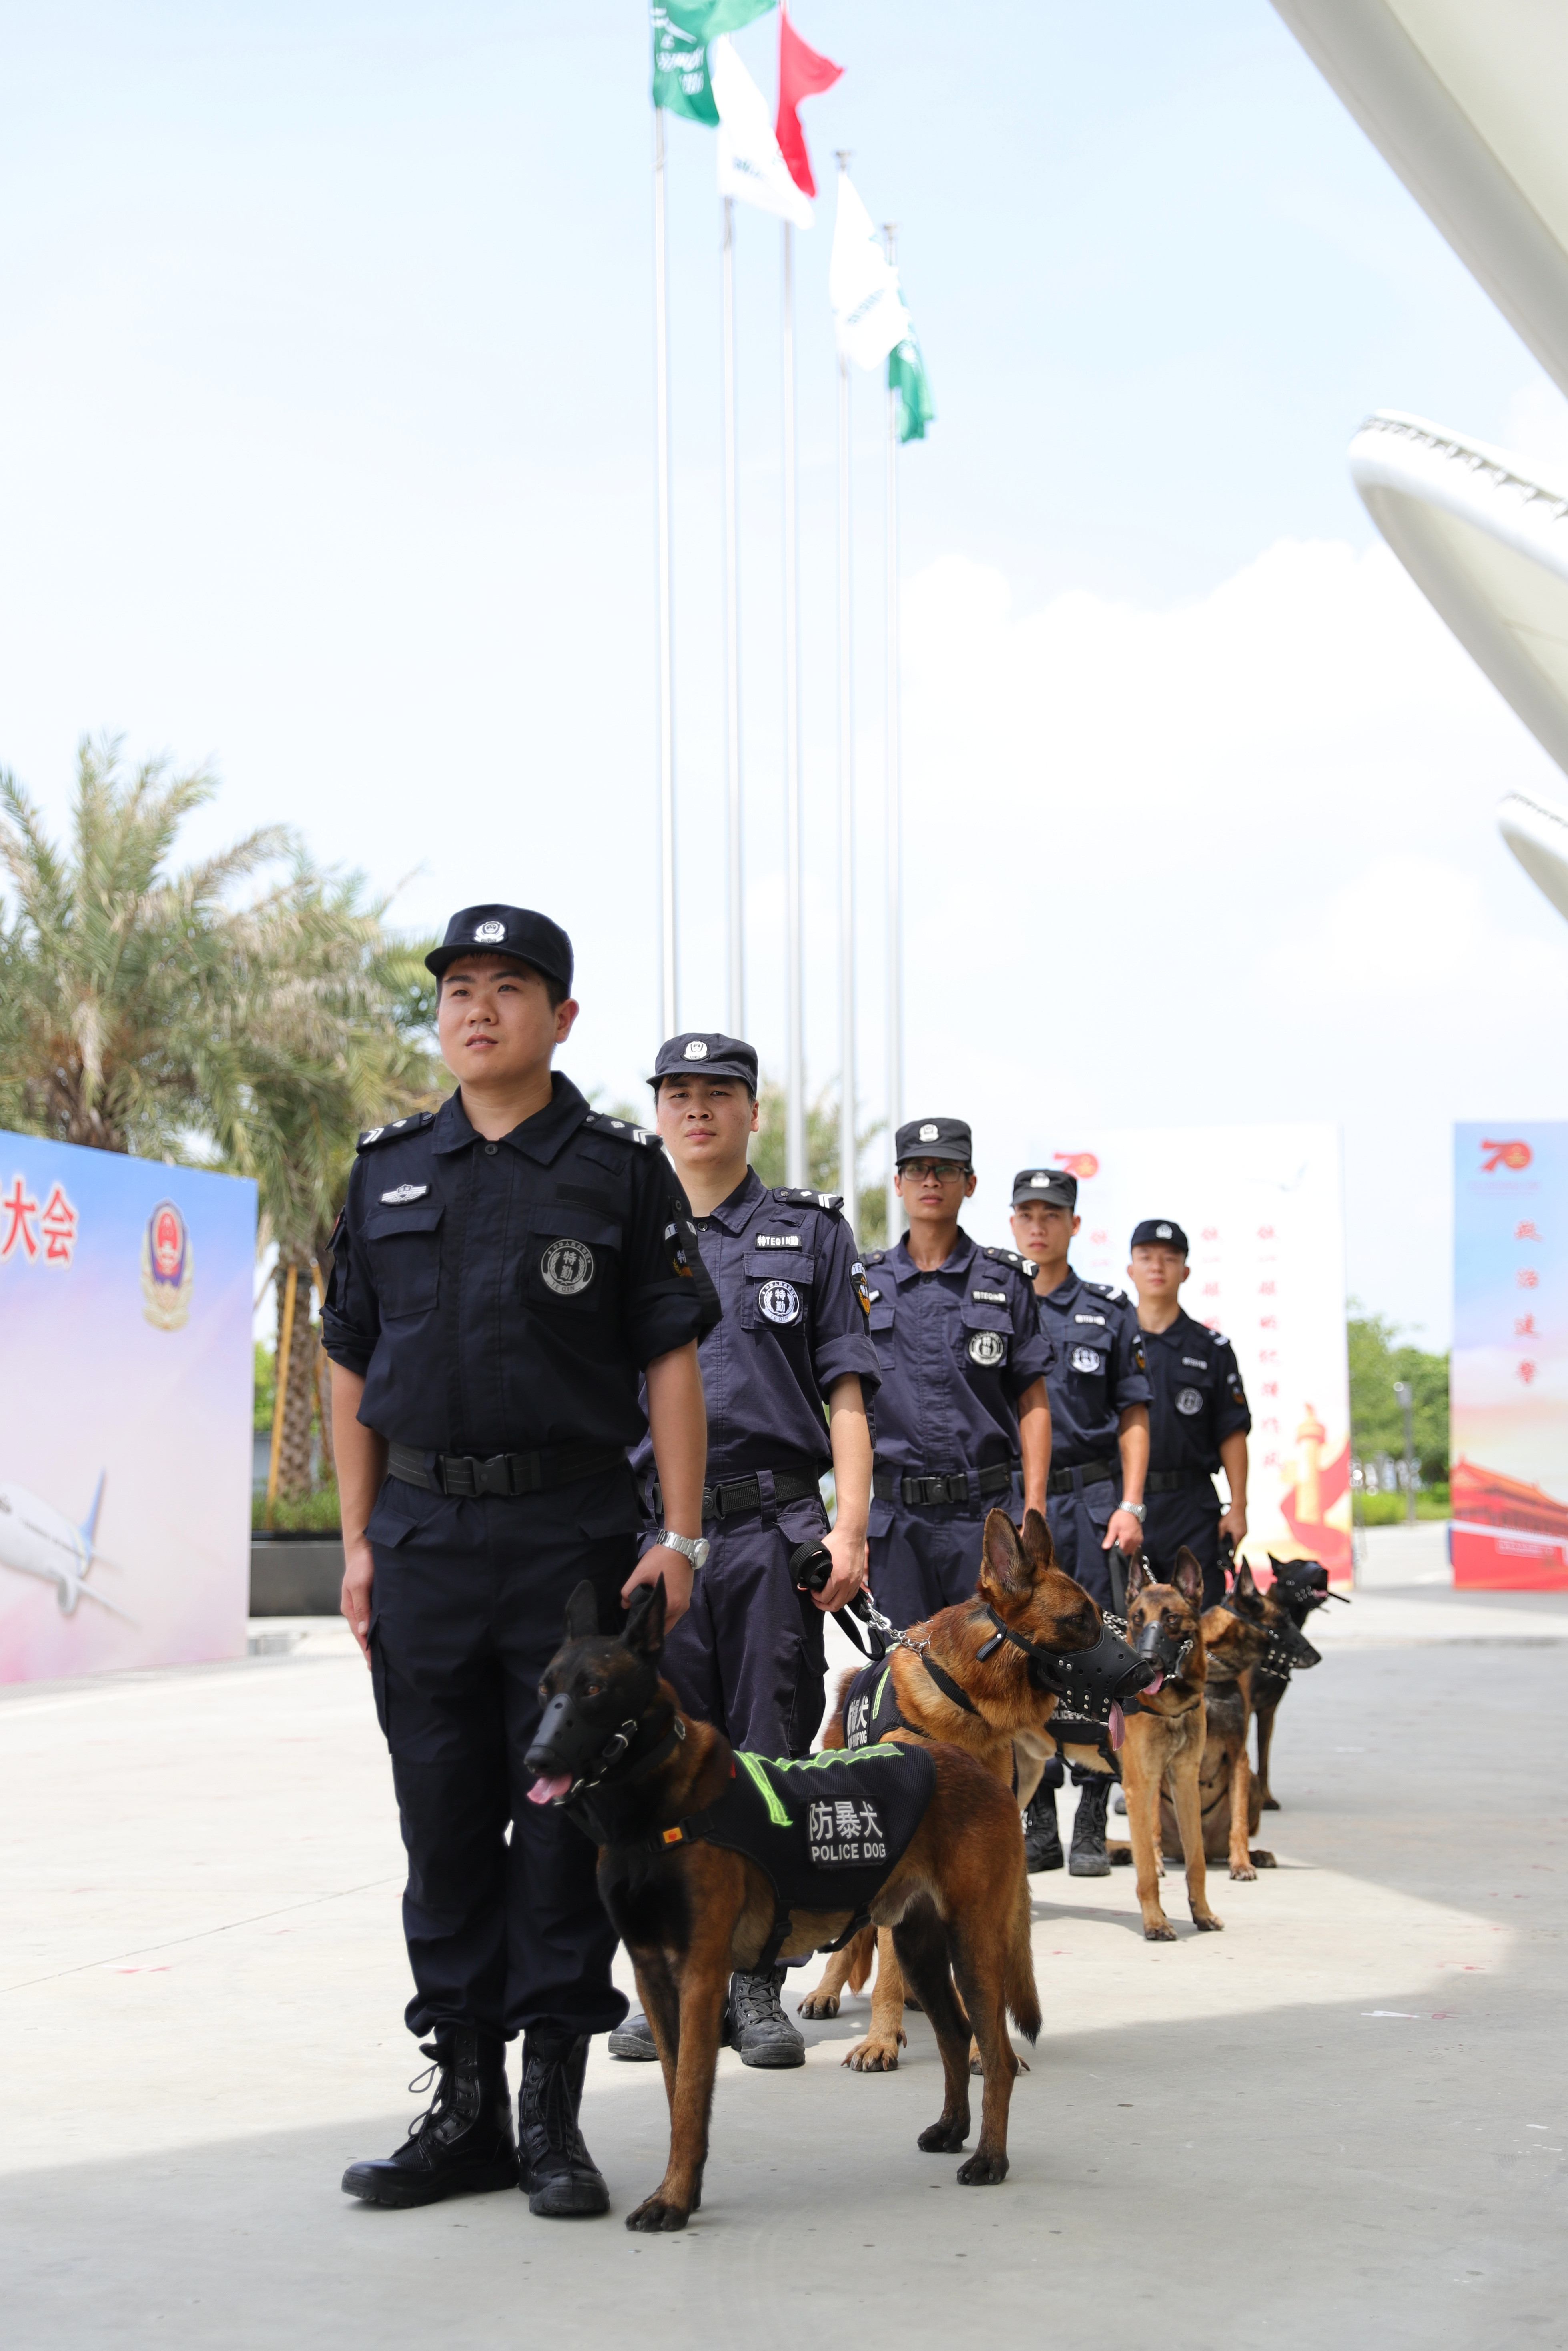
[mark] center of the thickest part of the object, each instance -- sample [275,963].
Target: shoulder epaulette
[834,1202]
[414,1125]
[1024,1265]
[603,1124]
[1109,1290]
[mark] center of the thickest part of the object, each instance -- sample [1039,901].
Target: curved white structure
[1467,100]
[1486,540]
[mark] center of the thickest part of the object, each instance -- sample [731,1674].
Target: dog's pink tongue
[545,1792]
[1118,1726]
[1158,1683]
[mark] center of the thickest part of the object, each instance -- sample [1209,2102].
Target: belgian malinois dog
[652,1786]
[1001,1705]
[1163,1749]
[1234,1640]
[1299,1585]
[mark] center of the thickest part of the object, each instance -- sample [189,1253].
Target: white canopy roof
[1467,101]
[1486,540]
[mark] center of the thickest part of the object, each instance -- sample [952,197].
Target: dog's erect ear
[1038,1547]
[1003,1567]
[1187,1577]
[1243,1583]
[1138,1578]
[645,1633]
[582,1612]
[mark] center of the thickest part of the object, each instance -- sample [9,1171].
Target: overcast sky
[325,401]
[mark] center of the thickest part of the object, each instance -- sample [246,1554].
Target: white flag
[863,286]
[750,165]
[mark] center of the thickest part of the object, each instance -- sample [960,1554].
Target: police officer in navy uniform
[1100,1416]
[963,1394]
[787,1373]
[1198,1419]
[504,1272]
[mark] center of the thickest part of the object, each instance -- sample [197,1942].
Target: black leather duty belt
[1177,1481]
[1088,1473]
[464,1475]
[739,1494]
[927,1493]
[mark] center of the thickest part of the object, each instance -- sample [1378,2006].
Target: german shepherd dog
[1299,1585]
[997,1717]
[615,1742]
[1234,1641]
[1163,1749]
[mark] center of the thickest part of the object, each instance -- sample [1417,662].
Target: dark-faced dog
[1299,1585]
[980,1675]
[660,1794]
[1165,1738]
[1234,1643]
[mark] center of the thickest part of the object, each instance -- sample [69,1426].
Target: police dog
[1163,1749]
[1234,1641]
[1020,1580]
[615,1742]
[1299,1585]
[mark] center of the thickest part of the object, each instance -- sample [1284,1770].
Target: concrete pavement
[1341,2119]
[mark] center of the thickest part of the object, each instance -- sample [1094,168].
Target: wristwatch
[692,1547]
[1134,1510]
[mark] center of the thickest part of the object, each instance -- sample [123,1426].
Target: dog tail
[1023,2000]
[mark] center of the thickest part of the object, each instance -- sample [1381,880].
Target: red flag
[802,74]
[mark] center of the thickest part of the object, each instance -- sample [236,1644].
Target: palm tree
[149,1012]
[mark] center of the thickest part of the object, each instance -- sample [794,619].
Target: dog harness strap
[945,1684]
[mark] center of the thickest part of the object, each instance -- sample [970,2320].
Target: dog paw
[1269,1804]
[653,2216]
[874,2054]
[1243,1871]
[1208,1924]
[1119,1855]
[819,2003]
[1161,1931]
[983,2172]
[1264,1860]
[943,2138]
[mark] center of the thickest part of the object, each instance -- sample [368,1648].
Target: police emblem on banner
[567,1267]
[167,1268]
[779,1301]
[987,1348]
[1086,1359]
[1189,1400]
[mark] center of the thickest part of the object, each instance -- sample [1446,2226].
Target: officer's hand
[1124,1531]
[676,1570]
[354,1601]
[849,1558]
[1234,1523]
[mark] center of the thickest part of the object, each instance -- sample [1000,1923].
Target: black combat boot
[632,2039]
[1088,1858]
[755,2023]
[1041,1837]
[463,2142]
[559,2177]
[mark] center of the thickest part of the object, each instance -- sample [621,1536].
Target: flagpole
[893,808]
[667,988]
[795,1167]
[846,801]
[735,998]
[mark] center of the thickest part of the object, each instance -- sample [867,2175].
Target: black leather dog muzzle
[1162,1649]
[1088,1681]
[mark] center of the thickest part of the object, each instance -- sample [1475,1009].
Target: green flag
[681,81]
[907,377]
[705,20]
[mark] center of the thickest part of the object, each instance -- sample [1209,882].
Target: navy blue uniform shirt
[1098,1369]
[1198,1398]
[958,1347]
[791,1282]
[501,1297]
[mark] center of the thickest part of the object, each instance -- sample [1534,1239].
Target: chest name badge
[568,1267]
[778,1240]
[779,1301]
[1089,1318]
[1188,1400]
[402,1192]
[987,1348]
[1195,1363]
[1088,1359]
[990,1297]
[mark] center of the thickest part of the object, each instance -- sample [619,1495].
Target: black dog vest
[828,1832]
[871,1707]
